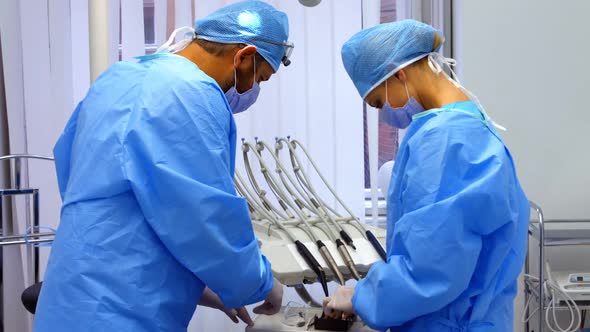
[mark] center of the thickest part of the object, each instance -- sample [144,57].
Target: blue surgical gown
[456,237]
[150,214]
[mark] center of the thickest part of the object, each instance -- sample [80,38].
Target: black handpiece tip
[347,239]
[313,264]
[324,283]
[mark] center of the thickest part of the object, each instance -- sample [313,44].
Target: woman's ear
[437,41]
[401,75]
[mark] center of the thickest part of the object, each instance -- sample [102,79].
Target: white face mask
[239,102]
[435,60]
[172,47]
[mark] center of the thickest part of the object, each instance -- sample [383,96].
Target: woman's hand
[341,301]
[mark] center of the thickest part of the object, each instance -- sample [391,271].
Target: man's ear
[245,52]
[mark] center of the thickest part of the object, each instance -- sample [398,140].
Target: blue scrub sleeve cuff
[260,294]
[362,294]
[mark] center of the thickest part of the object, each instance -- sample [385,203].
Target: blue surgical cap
[249,22]
[372,55]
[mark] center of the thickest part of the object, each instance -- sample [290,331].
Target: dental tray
[291,269]
[274,323]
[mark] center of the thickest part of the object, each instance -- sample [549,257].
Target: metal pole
[541,267]
[2,213]
[15,237]
[9,243]
[541,263]
[526,287]
[17,172]
[34,230]
[98,22]
[27,156]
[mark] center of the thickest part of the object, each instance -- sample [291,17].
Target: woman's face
[396,92]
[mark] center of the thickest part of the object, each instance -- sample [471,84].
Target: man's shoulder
[175,70]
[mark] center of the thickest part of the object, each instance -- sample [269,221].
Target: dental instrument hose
[246,147]
[370,236]
[301,248]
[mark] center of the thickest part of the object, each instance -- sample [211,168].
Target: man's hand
[273,301]
[239,314]
[211,300]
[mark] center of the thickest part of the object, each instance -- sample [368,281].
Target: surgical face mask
[401,117]
[239,102]
[170,46]
[436,62]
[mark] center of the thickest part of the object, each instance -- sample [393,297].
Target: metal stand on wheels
[18,190]
[538,230]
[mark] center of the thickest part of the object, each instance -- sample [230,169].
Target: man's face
[245,72]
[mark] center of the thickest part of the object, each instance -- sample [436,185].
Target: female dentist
[457,215]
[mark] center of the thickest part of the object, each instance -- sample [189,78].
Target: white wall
[527,62]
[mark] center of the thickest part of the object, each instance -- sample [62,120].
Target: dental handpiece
[246,147]
[344,253]
[370,236]
[301,248]
[260,146]
[322,217]
[315,199]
